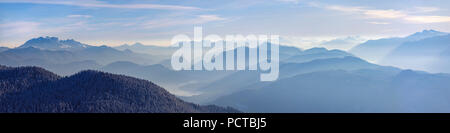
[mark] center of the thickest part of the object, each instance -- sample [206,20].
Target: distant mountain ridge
[316,53]
[340,91]
[35,90]
[53,43]
[425,54]
[54,54]
[249,80]
[170,79]
[342,43]
[3,49]
[376,50]
[425,34]
[148,49]
[311,80]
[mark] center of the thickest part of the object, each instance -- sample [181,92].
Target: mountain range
[53,43]
[423,55]
[174,81]
[56,55]
[148,49]
[316,53]
[342,43]
[420,51]
[372,77]
[365,90]
[376,50]
[243,80]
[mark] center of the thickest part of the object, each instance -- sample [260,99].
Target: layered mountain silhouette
[311,80]
[365,90]
[55,54]
[168,78]
[148,49]
[3,49]
[36,90]
[376,50]
[249,80]
[342,43]
[316,53]
[53,43]
[424,54]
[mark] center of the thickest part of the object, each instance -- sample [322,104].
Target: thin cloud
[199,19]
[100,4]
[384,13]
[208,18]
[13,33]
[389,13]
[342,8]
[370,13]
[290,1]
[79,16]
[426,9]
[378,23]
[18,28]
[428,19]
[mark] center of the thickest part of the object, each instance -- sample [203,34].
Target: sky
[302,23]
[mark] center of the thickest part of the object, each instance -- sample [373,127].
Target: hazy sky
[115,22]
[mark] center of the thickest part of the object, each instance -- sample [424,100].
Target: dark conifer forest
[36,90]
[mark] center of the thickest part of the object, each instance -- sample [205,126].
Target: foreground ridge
[36,90]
